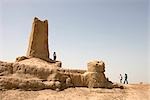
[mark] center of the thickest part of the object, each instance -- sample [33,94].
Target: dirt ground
[131,92]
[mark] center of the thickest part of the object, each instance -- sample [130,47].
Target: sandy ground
[131,92]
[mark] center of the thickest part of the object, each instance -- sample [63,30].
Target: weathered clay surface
[95,77]
[21,58]
[32,77]
[5,68]
[96,66]
[38,43]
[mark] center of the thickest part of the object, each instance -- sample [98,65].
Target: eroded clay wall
[38,43]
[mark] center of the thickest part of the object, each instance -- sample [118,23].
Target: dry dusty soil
[131,92]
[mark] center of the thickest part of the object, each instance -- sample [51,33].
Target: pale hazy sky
[115,31]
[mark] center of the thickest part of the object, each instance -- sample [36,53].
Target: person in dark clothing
[54,56]
[120,78]
[126,77]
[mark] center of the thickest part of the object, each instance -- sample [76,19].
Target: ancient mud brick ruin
[36,71]
[38,43]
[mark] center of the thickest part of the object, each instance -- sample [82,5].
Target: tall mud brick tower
[38,43]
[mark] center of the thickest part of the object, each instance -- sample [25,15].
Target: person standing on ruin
[54,56]
[121,78]
[126,77]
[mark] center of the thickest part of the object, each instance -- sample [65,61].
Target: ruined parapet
[95,77]
[96,66]
[38,43]
[22,75]
[75,77]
